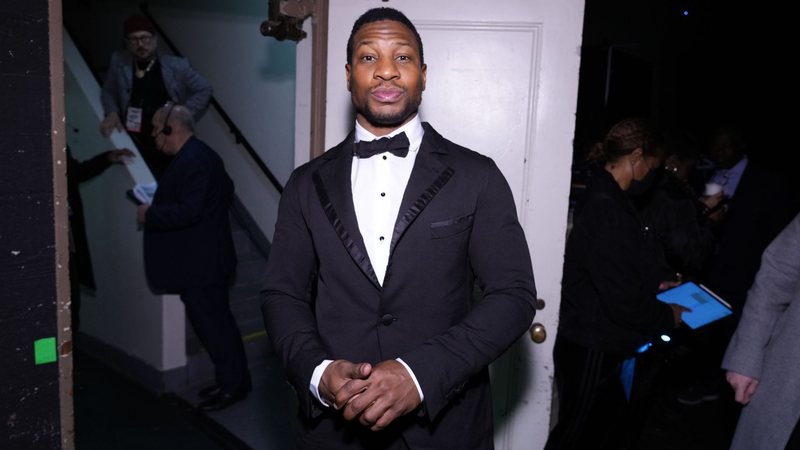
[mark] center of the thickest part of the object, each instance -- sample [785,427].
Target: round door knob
[538,333]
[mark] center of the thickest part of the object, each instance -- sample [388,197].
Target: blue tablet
[706,306]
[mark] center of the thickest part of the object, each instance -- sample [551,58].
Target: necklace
[141,72]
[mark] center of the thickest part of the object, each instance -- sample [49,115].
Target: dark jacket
[187,234]
[764,203]
[611,274]
[184,85]
[685,237]
[457,224]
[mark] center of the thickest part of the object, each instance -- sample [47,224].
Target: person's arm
[190,204]
[685,235]
[772,292]
[196,89]
[286,301]
[86,170]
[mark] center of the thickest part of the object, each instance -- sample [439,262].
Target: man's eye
[368,58]
[403,58]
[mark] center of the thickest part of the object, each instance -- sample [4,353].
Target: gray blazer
[185,85]
[766,346]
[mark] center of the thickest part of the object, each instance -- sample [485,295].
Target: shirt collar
[413,130]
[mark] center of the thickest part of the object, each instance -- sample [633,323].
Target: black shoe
[696,395]
[220,401]
[211,391]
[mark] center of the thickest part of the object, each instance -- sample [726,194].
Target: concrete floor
[114,413]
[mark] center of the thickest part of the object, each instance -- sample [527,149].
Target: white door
[502,80]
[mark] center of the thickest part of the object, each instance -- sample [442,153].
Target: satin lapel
[334,190]
[430,174]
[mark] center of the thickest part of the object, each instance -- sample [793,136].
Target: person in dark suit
[368,297]
[761,201]
[188,248]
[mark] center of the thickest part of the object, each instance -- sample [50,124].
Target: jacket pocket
[450,227]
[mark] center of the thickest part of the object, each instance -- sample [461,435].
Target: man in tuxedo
[368,297]
[188,248]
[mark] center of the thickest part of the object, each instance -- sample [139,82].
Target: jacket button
[387,319]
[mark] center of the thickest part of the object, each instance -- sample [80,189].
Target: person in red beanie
[140,81]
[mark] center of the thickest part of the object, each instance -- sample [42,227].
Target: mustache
[387,87]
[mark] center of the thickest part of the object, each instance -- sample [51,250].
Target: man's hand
[664,285]
[338,374]
[110,123]
[743,386]
[716,210]
[387,394]
[120,156]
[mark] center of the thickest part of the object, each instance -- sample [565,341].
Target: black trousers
[210,314]
[593,411]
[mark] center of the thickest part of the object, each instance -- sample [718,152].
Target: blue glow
[665,338]
[685,12]
[644,348]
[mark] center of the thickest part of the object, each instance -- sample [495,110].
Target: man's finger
[348,392]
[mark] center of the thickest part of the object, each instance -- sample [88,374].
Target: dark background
[720,63]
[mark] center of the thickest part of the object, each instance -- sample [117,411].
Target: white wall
[253,79]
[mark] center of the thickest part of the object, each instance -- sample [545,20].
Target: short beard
[385,121]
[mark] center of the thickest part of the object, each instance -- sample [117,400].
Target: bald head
[173,125]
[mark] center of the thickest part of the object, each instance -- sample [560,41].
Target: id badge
[133,120]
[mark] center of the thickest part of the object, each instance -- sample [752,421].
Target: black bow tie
[396,145]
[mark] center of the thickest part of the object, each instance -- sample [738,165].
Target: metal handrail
[237,133]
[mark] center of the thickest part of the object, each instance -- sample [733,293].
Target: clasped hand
[373,395]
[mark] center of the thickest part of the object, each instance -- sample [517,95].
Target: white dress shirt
[378,184]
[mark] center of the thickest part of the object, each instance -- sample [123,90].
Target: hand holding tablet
[705,305]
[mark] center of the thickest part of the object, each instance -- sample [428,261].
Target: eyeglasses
[143,39]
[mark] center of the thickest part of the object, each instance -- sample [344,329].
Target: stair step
[243,244]
[250,271]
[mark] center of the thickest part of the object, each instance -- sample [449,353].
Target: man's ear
[347,75]
[637,154]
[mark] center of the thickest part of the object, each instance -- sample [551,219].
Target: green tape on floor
[45,350]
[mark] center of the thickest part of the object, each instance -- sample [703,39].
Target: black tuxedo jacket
[457,225]
[187,231]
